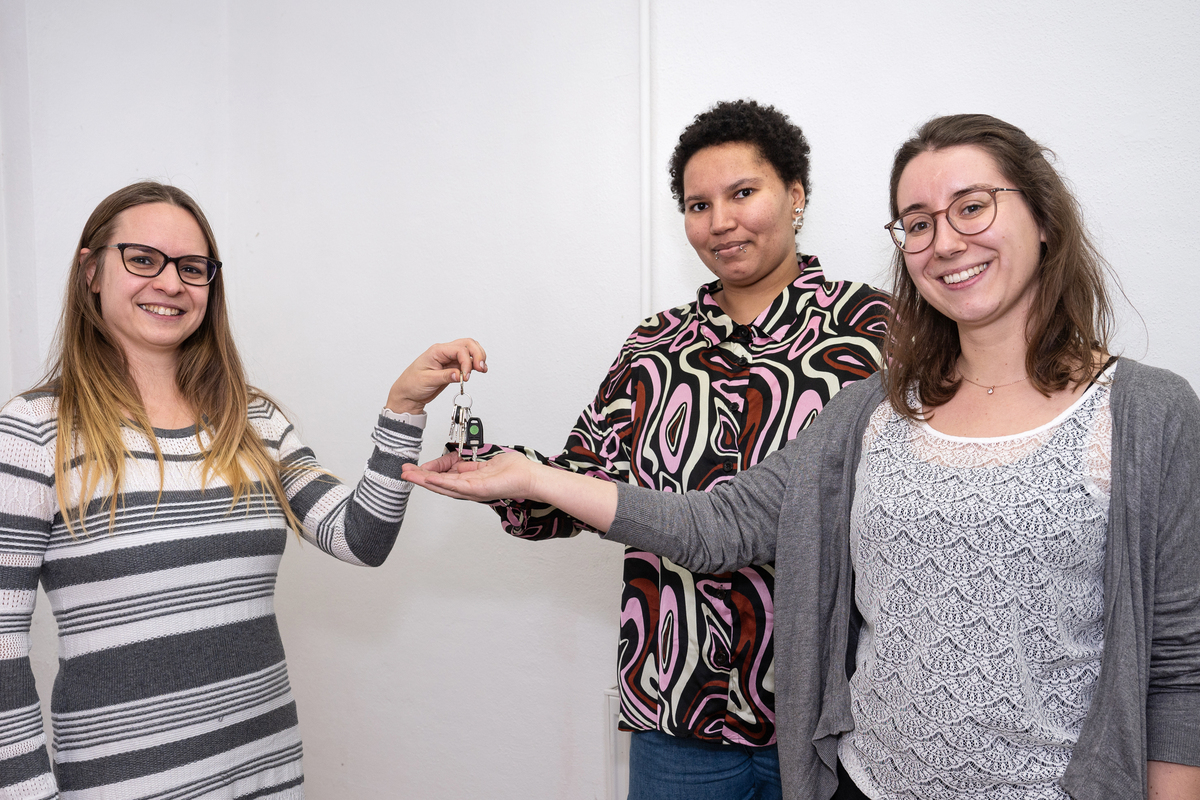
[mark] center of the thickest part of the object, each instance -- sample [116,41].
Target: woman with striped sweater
[150,490]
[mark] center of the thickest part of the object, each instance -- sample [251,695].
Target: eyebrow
[976,187]
[738,184]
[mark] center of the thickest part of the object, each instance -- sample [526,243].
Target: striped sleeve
[358,526]
[27,506]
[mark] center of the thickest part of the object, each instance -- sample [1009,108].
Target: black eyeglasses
[972,213]
[147,262]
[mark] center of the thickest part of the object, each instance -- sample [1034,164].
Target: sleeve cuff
[416,420]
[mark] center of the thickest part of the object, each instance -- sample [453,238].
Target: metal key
[464,429]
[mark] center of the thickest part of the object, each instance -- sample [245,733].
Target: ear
[796,191]
[89,268]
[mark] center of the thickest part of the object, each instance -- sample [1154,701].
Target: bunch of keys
[465,430]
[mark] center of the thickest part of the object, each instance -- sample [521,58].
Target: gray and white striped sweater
[172,681]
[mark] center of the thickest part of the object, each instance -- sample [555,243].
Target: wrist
[540,482]
[404,405]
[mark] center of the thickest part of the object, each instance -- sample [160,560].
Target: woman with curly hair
[697,394]
[150,490]
[1002,531]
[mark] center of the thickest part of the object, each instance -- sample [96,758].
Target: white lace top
[979,574]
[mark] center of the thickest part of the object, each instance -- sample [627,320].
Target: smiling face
[149,317]
[738,216]
[978,280]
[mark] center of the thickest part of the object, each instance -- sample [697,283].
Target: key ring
[464,429]
[462,403]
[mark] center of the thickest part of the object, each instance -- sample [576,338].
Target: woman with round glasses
[1000,531]
[697,394]
[151,490]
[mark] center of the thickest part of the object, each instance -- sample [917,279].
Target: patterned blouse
[691,399]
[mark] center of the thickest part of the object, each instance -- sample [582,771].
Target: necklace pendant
[991,390]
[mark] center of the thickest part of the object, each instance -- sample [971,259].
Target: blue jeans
[663,767]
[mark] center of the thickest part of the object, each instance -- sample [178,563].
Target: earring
[798,220]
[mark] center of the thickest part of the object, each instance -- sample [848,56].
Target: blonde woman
[150,490]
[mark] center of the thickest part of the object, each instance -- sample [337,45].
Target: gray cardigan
[794,509]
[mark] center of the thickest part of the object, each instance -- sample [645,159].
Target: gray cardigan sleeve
[1147,698]
[738,523]
[1171,570]
[728,528]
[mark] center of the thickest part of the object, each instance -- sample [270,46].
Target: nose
[947,242]
[168,281]
[721,219]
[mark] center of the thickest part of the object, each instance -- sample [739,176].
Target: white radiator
[616,749]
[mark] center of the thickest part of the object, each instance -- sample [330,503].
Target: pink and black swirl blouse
[691,399]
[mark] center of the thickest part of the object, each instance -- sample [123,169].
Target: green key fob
[474,433]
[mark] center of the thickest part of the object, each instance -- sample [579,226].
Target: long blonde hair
[96,394]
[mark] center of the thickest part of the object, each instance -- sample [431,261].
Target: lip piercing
[742,247]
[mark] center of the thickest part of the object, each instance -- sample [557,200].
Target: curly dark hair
[767,128]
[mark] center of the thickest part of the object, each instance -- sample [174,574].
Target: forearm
[29,505]
[526,518]
[1169,781]
[24,762]
[592,501]
[359,526]
[717,531]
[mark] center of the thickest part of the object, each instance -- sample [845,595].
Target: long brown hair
[96,394]
[1071,314]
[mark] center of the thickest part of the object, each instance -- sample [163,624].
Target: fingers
[471,355]
[443,464]
[439,366]
[450,484]
[449,464]
[429,480]
[467,354]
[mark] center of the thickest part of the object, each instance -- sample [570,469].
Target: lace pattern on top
[979,573]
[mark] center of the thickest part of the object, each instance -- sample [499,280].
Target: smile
[162,311]
[730,249]
[959,277]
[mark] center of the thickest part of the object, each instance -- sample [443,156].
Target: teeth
[161,310]
[959,277]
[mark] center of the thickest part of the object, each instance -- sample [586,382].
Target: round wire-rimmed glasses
[972,213]
[149,262]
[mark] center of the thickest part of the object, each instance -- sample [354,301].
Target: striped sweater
[172,681]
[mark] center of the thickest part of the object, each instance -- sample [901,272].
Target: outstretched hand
[512,476]
[506,477]
[433,371]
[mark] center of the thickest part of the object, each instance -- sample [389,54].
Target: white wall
[384,175]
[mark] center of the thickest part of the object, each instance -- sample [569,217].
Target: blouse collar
[775,320]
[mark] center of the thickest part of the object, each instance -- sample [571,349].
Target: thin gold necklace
[994,386]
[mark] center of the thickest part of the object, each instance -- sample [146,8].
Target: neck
[743,304]
[155,379]
[992,358]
